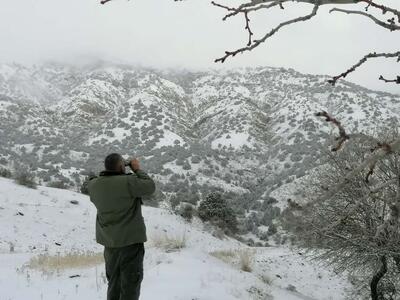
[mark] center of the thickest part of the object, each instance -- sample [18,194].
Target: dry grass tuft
[246,259]
[73,260]
[227,256]
[169,243]
[243,258]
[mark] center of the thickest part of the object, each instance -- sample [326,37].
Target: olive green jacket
[116,196]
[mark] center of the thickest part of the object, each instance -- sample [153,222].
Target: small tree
[26,178]
[6,173]
[215,208]
[186,211]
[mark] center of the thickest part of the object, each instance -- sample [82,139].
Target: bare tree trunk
[377,277]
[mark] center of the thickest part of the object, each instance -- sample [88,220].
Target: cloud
[189,34]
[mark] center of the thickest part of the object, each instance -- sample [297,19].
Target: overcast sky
[191,34]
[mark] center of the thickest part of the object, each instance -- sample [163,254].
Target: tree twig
[247,7]
[362,61]
[343,136]
[246,16]
[390,25]
[383,8]
[256,43]
[396,80]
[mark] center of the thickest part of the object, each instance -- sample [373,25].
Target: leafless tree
[383,16]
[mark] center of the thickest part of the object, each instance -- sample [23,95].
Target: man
[119,224]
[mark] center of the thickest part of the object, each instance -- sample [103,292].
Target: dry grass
[243,258]
[73,260]
[228,256]
[246,258]
[169,243]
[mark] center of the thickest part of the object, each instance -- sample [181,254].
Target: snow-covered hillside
[44,223]
[61,121]
[247,133]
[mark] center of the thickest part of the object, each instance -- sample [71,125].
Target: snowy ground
[45,222]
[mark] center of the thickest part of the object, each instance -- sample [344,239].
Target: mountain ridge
[244,132]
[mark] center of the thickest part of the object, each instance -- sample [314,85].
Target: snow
[4,105]
[169,139]
[204,282]
[33,221]
[174,87]
[310,279]
[235,140]
[203,93]
[28,148]
[7,70]
[76,155]
[217,182]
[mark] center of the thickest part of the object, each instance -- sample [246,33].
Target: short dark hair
[112,161]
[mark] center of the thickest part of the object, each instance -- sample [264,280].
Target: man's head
[114,162]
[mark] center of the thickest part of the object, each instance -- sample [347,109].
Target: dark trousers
[124,271]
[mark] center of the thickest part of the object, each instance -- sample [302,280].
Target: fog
[191,34]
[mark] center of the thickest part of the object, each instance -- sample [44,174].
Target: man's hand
[135,164]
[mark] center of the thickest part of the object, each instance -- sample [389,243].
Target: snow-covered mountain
[48,251]
[245,131]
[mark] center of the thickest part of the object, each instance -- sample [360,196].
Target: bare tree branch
[389,25]
[255,5]
[246,16]
[322,2]
[396,80]
[342,132]
[362,61]
[383,8]
[246,8]
[256,43]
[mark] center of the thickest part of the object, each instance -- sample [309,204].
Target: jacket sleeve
[140,184]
